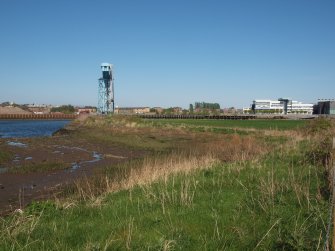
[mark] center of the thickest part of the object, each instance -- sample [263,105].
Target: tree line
[205,105]
[66,109]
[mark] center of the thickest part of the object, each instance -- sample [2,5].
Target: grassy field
[255,124]
[205,191]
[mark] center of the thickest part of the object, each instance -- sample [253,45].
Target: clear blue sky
[167,53]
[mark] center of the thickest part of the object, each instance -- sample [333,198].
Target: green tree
[191,109]
[67,109]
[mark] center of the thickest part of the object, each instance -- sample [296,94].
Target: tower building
[106,90]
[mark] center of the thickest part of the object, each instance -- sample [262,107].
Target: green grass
[273,204]
[128,140]
[256,124]
[5,156]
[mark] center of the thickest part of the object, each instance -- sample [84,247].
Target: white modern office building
[268,106]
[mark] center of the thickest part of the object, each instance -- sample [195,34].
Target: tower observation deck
[106,90]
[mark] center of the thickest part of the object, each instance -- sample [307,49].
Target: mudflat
[36,168]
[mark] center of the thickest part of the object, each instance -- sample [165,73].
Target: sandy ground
[12,110]
[76,158]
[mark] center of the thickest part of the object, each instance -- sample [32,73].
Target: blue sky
[167,53]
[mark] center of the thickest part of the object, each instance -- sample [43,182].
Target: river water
[30,128]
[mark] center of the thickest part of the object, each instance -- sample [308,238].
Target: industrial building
[281,106]
[325,106]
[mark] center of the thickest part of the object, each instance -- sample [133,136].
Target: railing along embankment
[37,116]
[186,116]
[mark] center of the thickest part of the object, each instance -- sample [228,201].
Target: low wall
[38,116]
[232,117]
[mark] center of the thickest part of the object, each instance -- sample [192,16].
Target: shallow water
[96,157]
[30,128]
[17,144]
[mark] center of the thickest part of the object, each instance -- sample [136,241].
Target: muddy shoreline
[38,167]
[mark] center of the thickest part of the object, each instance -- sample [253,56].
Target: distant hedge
[67,109]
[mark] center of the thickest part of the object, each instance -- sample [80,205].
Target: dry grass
[16,225]
[151,170]
[201,153]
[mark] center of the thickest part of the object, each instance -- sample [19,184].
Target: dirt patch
[12,110]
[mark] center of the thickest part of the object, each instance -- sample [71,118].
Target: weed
[255,124]
[5,156]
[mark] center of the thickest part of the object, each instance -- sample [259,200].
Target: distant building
[230,110]
[39,108]
[157,110]
[280,106]
[132,110]
[325,106]
[247,110]
[177,110]
[87,110]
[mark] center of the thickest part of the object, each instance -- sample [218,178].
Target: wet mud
[61,161]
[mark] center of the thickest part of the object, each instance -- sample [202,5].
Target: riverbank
[34,168]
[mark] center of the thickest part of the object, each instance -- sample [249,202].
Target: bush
[67,109]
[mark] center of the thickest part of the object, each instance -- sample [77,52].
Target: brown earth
[12,110]
[37,167]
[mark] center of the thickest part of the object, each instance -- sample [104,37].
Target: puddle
[79,149]
[75,166]
[17,158]
[16,144]
[115,156]
[71,148]
[96,157]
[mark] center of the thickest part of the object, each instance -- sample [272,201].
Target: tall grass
[5,155]
[186,159]
[255,124]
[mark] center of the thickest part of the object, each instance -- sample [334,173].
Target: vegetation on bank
[198,190]
[235,124]
[66,109]
[4,156]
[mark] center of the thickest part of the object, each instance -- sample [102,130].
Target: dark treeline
[204,105]
[67,109]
